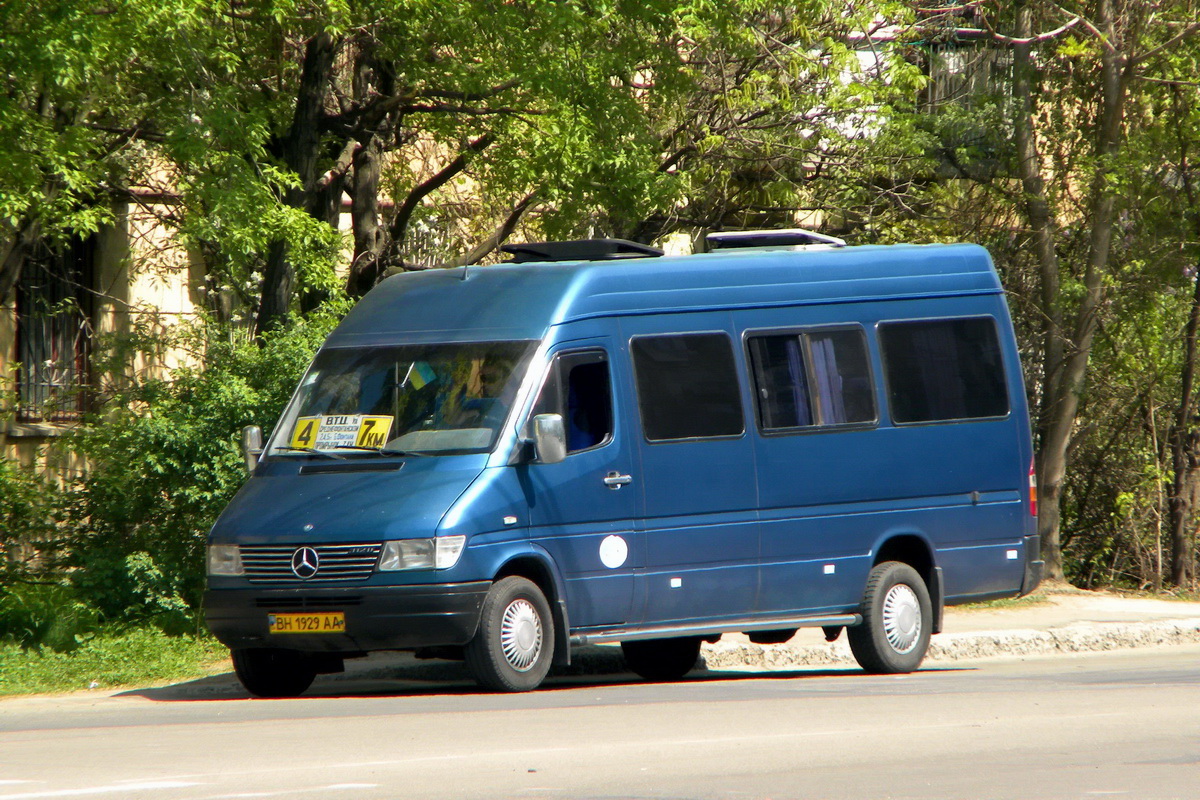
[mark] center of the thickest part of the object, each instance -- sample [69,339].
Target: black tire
[269,672]
[897,621]
[662,659]
[514,646]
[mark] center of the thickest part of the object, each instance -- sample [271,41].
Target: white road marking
[87,791]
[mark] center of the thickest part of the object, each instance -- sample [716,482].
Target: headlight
[225,559]
[441,552]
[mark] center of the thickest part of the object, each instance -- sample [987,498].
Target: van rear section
[600,444]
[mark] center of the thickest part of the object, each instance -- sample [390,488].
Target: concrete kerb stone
[732,654]
[1078,638]
[949,647]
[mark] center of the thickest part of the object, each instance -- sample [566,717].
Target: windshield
[436,398]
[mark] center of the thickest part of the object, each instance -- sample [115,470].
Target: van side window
[578,388]
[687,386]
[814,378]
[943,370]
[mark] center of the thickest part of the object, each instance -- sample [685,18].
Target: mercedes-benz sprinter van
[598,443]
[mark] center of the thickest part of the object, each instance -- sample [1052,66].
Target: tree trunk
[301,154]
[1183,452]
[369,238]
[1043,229]
[1067,359]
[1185,459]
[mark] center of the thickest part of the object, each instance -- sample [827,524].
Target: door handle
[615,480]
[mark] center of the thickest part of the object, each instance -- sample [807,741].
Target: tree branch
[471,111]
[343,162]
[403,214]
[1041,37]
[1091,26]
[1169,43]
[468,97]
[497,237]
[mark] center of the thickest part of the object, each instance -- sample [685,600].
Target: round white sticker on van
[613,551]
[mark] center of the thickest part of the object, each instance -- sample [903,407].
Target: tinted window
[687,386]
[943,370]
[818,378]
[781,382]
[842,377]
[579,389]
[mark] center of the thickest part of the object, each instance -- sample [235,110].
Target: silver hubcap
[902,618]
[521,634]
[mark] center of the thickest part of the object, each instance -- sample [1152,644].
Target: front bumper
[377,618]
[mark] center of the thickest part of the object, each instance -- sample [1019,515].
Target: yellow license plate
[317,622]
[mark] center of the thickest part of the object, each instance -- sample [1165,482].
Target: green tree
[166,458]
[1069,205]
[70,86]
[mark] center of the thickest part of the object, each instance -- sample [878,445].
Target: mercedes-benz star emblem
[305,562]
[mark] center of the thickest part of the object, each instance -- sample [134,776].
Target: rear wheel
[514,646]
[897,621]
[271,672]
[662,659]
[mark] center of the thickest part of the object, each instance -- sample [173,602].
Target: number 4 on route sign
[353,430]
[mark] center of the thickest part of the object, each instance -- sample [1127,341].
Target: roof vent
[787,239]
[579,250]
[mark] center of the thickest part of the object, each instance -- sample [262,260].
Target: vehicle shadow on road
[451,679]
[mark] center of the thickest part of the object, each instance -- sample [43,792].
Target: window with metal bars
[54,332]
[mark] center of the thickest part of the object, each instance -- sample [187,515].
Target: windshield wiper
[391,451]
[312,451]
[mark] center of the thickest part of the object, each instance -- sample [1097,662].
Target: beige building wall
[142,277]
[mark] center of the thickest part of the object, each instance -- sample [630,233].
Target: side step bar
[746,625]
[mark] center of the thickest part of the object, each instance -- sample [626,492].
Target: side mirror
[252,445]
[549,438]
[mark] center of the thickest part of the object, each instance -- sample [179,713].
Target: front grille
[337,563]
[305,603]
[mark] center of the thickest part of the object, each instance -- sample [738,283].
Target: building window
[54,332]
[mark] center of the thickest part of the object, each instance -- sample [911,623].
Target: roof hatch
[579,250]
[786,239]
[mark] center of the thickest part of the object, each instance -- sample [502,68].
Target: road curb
[949,647]
[743,655]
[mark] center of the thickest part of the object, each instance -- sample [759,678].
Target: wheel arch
[912,548]
[536,566]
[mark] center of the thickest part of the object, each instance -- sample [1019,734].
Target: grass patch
[1029,601]
[140,657]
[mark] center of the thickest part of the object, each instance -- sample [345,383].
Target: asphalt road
[1118,724]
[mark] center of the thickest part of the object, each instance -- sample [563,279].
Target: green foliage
[32,510]
[111,658]
[44,615]
[165,459]
[72,79]
[954,176]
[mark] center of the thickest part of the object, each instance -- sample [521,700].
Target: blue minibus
[597,443]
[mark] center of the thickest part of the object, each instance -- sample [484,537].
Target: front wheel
[662,659]
[271,672]
[514,646]
[897,621]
